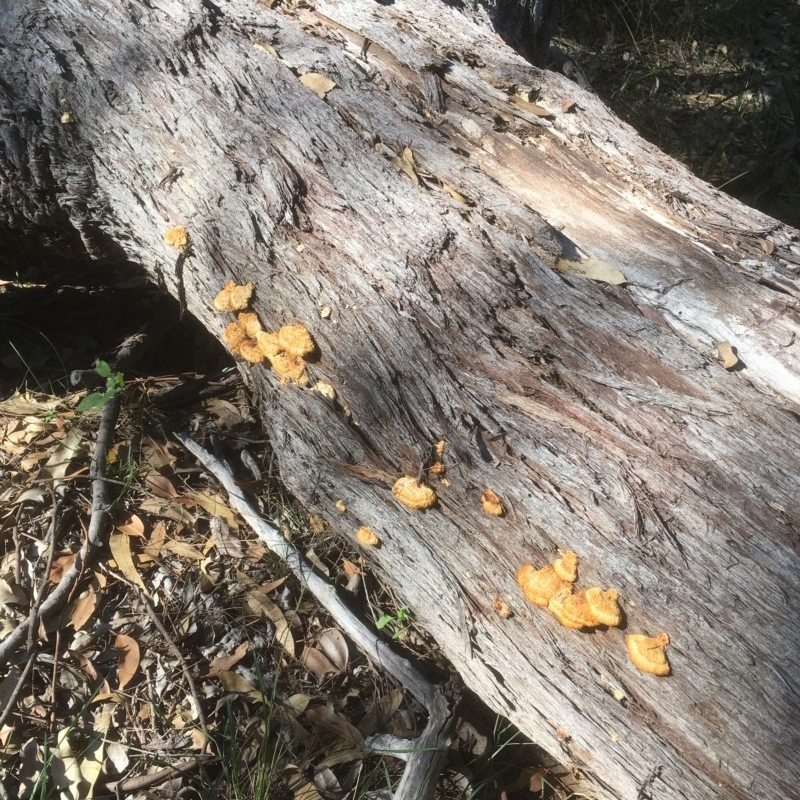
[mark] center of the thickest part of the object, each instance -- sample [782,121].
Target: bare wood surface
[600,414]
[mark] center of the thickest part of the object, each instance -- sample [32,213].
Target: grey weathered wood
[600,414]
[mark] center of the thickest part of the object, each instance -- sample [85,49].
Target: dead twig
[427,753]
[33,619]
[97,525]
[146,781]
[187,674]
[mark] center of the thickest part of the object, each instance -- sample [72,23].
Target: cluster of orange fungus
[648,654]
[413,494]
[284,349]
[233,297]
[551,587]
[587,609]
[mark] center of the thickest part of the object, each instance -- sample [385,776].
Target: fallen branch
[100,510]
[424,756]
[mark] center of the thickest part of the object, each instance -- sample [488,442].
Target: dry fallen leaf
[332,642]
[120,546]
[318,84]
[226,663]
[127,658]
[594,268]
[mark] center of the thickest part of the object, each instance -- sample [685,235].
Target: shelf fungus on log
[540,585]
[250,351]
[290,368]
[411,493]
[296,340]
[647,653]
[588,609]
[492,504]
[268,343]
[234,297]
[177,237]
[566,567]
[250,324]
[367,536]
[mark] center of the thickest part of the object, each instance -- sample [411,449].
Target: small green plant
[397,623]
[114,385]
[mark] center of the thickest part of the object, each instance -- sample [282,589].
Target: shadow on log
[410,207]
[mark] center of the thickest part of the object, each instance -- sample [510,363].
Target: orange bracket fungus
[492,504]
[566,567]
[233,297]
[604,606]
[177,237]
[586,609]
[295,340]
[367,536]
[539,585]
[647,653]
[250,324]
[410,492]
[268,343]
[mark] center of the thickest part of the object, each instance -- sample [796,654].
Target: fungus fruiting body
[250,351]
[234,335]
[290,368]
[250,324]
[539,585]
[411,493]
[492,504]
[604,606]
[647,653]
[367,536]
[268,343]
[233,297]
[177,237]
[295,340]
[566,567]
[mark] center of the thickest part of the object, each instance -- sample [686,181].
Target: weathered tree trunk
[599,413]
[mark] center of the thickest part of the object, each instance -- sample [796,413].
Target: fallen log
[397,180]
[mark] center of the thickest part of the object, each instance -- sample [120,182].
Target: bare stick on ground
[424,756]
[97,525]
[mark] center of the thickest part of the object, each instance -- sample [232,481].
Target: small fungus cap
[234,335]
[492,504]
[290,368]
[250,324]
[367,536]
[647,653]
[411,493]
[570,609]
[604,606]
[295,340]
[250,351]
[539,585]
[566,567]
[233,297]
[268,343]
[177,237]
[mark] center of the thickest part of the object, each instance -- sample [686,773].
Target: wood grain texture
[600,414]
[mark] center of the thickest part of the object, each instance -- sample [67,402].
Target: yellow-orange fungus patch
[177,237]
[411,493]
[295,340]
[492,504]
[566,567]
[367,536]
[539,585]
[233,297]
[604,606]
[647,653]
